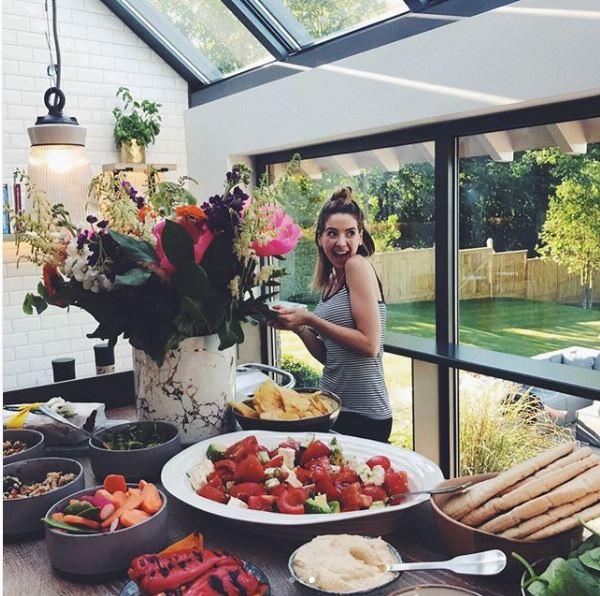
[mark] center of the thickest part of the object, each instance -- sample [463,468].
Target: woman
[346,330]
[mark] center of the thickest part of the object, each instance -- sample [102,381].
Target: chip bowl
[422,474]
[313,424]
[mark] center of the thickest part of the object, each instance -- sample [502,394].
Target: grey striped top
[358,380]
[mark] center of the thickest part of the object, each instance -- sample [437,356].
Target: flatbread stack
[539,498]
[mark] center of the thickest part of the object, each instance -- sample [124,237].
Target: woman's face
[340,238]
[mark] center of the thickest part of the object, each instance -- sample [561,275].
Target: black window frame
[445,351]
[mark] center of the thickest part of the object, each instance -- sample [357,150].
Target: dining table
[27,569]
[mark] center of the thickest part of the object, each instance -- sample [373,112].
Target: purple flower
[234,176]
[102,224]
[92,219]
[81,239]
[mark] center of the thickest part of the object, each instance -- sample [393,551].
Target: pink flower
[200,234]
[287,234]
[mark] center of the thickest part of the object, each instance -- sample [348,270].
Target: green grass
[511,325]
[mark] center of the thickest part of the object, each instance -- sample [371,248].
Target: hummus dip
[344,563]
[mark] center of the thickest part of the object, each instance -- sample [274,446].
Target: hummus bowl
[422,474]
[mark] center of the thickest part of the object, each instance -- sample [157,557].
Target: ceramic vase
[191,388]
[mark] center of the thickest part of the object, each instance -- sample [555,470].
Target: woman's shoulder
[358,265]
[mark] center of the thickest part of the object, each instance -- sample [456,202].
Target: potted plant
[136,126]
[174,278]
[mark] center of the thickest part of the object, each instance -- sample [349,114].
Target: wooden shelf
[137,167]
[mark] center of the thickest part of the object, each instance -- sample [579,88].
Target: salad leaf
[587,582]
[591,558]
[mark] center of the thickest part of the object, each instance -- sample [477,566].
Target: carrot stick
[151,501]
[114,482]
[133,501]
[58,516]
[77,520]
[133,517]
[193,541]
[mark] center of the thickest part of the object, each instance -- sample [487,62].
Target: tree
[571,232]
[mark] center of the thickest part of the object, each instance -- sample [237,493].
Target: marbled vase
[191,389]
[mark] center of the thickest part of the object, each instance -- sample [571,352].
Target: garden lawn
[511,325]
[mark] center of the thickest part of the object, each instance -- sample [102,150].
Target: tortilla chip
[243,409]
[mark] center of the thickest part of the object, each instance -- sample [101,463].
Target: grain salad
[14,488]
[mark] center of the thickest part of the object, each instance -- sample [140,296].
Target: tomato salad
[296,478]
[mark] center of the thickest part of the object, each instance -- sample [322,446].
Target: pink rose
[287,234]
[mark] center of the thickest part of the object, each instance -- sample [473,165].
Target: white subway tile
[32,379]
[70,332]
[8,354]
[11,21]
[40,337]
[14,339]
[28,352]
[9,382]
[26,323]
[56,348]
[15,367]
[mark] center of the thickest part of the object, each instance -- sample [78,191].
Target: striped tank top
[358,380]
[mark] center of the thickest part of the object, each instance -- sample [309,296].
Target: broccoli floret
[317,504]
[215,452]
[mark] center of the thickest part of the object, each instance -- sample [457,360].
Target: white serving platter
[422,474]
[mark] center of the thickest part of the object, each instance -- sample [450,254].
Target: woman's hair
[341,201]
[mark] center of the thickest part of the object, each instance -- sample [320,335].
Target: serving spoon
[436,491]
[489,562]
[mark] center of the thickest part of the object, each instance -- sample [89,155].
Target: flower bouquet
[159,269]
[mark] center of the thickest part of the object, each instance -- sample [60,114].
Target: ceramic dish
[374,591]
[22,516]
[460,539]
[134,464]
[422,474]
[131,588]
[35,441]
[102,554]
[314,424]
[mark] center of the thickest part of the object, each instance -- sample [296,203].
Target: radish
[97,501]
[113,525]
[107,511]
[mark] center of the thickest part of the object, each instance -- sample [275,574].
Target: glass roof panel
[334,17]
[214,30]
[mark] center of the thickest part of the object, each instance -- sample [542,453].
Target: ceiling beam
[347,164]
[498,145]
[311,169]
[387,158]
[427,150]
[569,136]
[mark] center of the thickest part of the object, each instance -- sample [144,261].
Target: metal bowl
[23,516]
[134,464]
[35,441]
[374,591]
[322,423]
[93,555]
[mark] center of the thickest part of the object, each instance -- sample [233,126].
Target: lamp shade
[59,166]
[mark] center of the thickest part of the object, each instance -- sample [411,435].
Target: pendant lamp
[58,164]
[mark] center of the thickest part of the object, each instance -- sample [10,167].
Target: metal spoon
[489,562]
[436,491]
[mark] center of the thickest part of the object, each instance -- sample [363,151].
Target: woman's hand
[291,319]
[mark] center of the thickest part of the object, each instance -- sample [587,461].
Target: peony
[193,220]
[284,234]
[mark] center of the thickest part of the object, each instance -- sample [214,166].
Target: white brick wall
[99,53]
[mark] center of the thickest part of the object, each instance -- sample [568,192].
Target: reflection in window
[213,29]
[324,19]
[530,240]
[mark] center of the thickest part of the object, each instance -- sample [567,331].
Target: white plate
[422,474]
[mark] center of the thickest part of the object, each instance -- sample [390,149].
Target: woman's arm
[364,295]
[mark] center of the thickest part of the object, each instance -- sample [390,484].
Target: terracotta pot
[132,152]
[460,539]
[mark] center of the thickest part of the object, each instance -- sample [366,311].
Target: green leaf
[230,333]
[134,277]
[139,251]
[68,527]
[28,304]
[591,558]
[40,304]
[585,582]
[177,244]
[41,290]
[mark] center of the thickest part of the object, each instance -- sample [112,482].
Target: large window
[395,187]
[529,237]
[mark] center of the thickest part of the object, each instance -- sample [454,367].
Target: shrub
[305,375]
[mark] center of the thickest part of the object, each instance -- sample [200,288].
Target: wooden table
[27,569]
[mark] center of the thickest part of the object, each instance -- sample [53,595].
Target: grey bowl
[23,516]
[101,554]
[133,464]
[34,439]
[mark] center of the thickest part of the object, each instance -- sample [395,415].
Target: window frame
[445,352]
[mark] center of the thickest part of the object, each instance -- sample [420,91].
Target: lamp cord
[56,44]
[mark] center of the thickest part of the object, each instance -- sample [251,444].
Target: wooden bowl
[461,539]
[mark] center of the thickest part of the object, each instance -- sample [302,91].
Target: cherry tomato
[379,460]
[376,492]
[243,448]
[225,469]
[247,489]
[276,462]
[364,501]
[291,501]
[395,483]
[214,494]
[303,475]
[214,480]
[324,484]
[346,476]
[262,502]
[350,497]
[249,469]
[277,490]
[315,449]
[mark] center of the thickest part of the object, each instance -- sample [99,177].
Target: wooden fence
[409,276]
